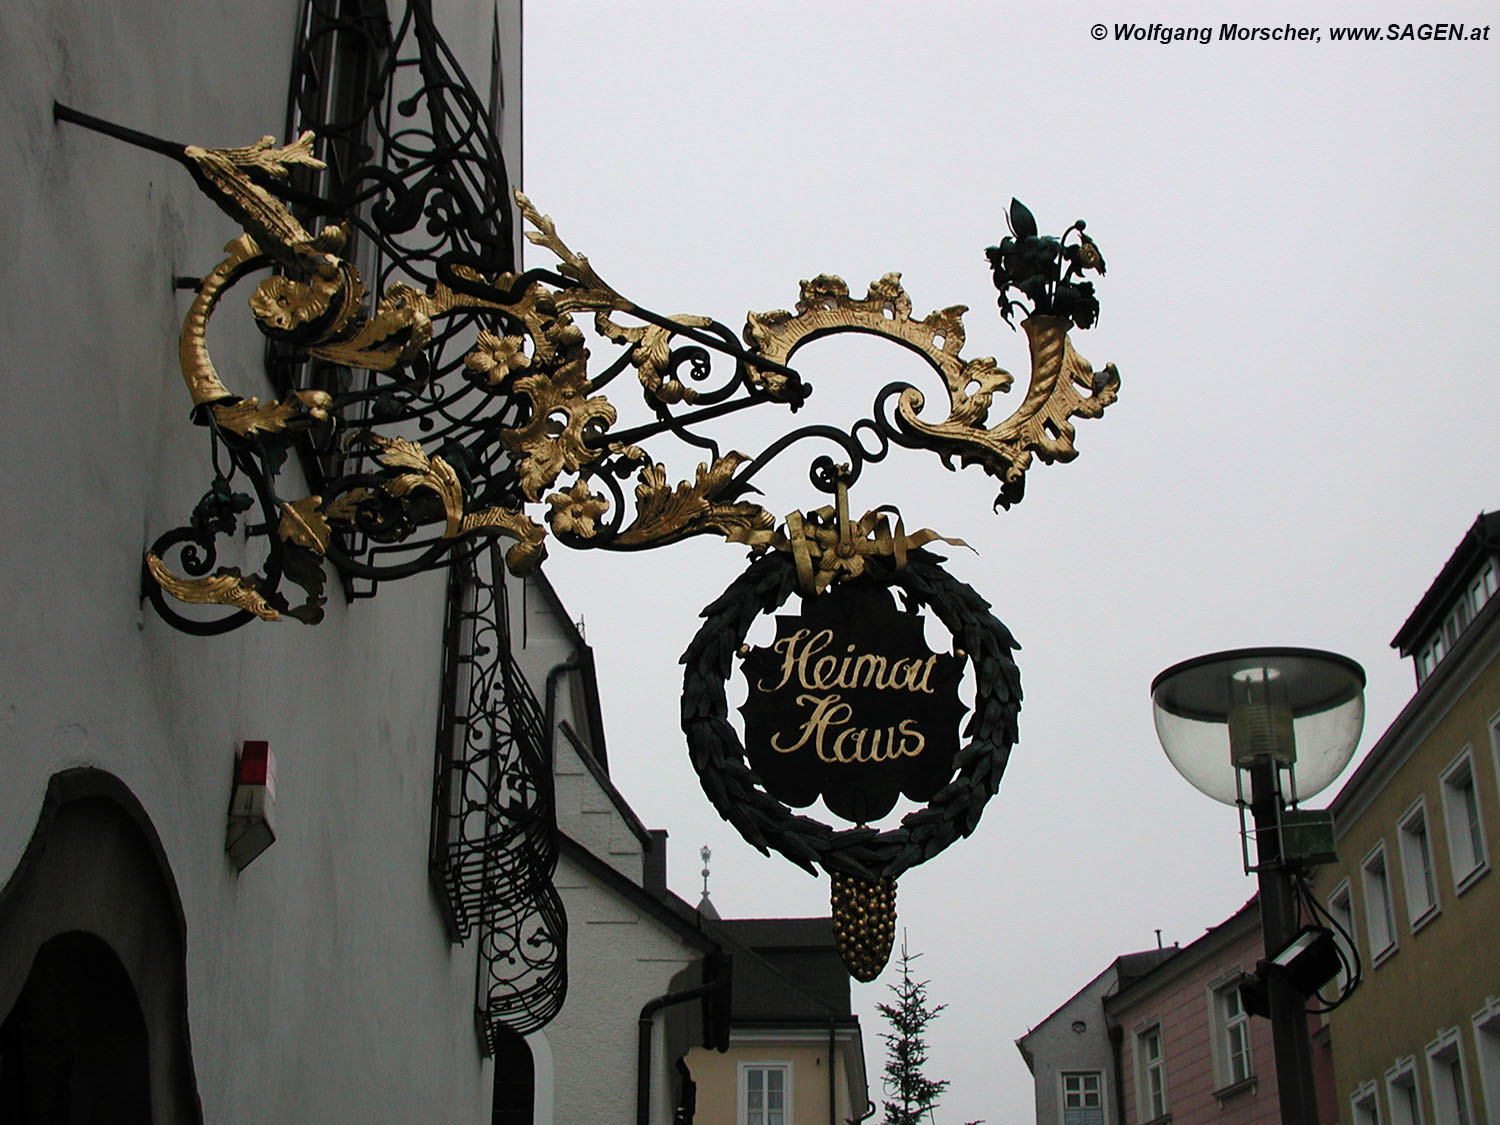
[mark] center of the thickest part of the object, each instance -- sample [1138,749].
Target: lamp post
[1264,729]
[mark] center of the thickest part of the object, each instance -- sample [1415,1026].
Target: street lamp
[1264,729]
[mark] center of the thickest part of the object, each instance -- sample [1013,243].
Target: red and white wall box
[250,806]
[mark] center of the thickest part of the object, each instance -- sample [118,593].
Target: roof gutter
[643,1042]
[554,675]
[832,1091]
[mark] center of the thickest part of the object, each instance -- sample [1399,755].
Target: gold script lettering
[802,655]
[850,744]
[828,710]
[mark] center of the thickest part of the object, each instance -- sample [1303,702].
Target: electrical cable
[1348,951]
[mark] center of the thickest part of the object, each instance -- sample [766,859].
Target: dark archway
[515,1080]
[73,1050]
[93,967]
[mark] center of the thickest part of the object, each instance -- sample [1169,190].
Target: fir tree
[913,1096]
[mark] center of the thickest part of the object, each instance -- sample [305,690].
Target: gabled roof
[784,933]
[600,773]
[1479,542]
[787,971]
[1132,966]
[1126,968]
[584,655]
[1475,646]
[1188,957]
[667,908]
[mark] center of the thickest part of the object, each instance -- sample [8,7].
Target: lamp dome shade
[1301,709]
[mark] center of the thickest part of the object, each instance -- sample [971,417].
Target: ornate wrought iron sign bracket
[441,400]
[443,458]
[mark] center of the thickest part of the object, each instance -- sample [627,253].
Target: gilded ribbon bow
[828,546]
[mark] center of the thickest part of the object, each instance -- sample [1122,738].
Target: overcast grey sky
[1300,301]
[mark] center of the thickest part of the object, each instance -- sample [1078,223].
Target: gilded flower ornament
[576,511]
[284,304]
[493,358]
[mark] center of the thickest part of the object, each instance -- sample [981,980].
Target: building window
[765,1093]
[1471,600]
[1487,1050]
[341,47]
[1450,1084]
[1426,662]
[1083,1098]
[1427,659]
[1364,1105]
[1483,588]
[1457,621]
[1495,743]
[1380,919]
[1416,867]
[1152,1069]
[1465,827]
[1341,909]
[497,76]
[1401,1091]
[1231,1036]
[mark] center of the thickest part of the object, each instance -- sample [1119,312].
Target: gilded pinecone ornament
[864,923]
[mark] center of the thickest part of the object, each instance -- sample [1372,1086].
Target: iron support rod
[651,429]
[72,116]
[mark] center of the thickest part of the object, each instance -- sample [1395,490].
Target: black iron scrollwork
[431,408]
[494,824]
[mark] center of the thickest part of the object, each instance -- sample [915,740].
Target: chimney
[655,868]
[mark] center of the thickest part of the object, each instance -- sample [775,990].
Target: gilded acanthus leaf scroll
[542,430]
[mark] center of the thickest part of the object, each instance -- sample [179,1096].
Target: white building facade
[427,901]
[319,983]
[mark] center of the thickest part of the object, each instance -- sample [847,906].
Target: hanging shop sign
[756,784]
[850,705]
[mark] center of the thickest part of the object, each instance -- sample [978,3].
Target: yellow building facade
[796,1055]
[1418,833]
[793,1066]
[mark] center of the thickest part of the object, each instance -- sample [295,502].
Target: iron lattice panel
[494,838]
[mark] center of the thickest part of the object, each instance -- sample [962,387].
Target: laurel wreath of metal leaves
[738,793]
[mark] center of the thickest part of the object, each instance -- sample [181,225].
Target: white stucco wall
[621,953]
[322,986]
[1056,1047]
[619,958]
[587,814]
[549,654]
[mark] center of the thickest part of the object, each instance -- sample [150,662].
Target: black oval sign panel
[851,705]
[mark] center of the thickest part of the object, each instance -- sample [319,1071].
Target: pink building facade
[1175,1044]
[1188,1053]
